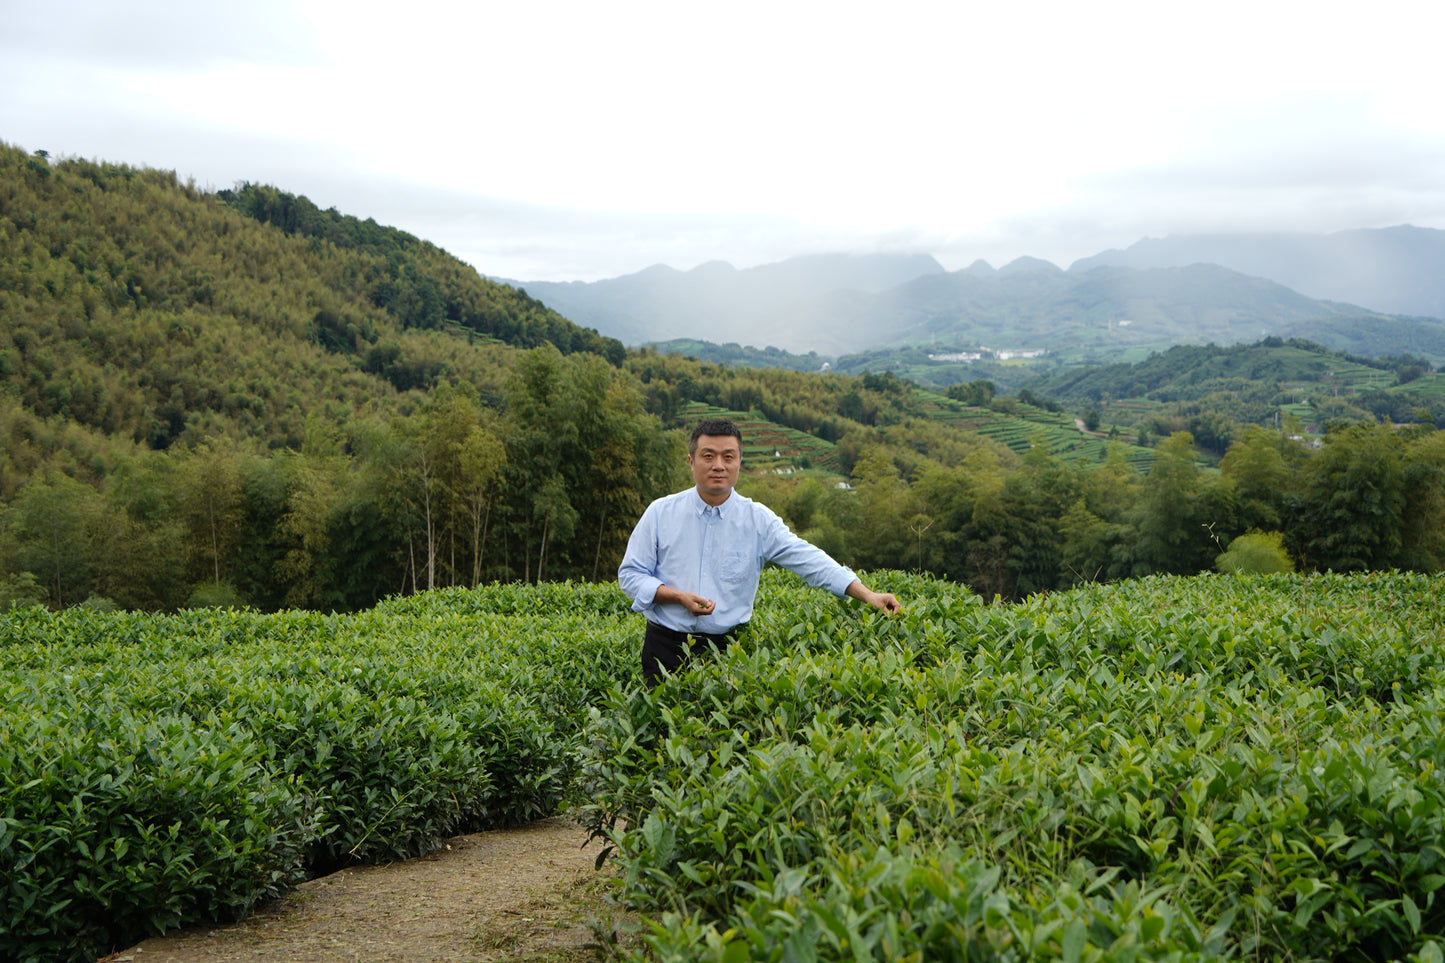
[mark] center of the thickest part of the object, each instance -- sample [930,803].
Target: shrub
[1163,769]
[215,595]
[1256,553]
[117,827]
[18,591]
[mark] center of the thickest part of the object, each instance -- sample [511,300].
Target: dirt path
[523,894]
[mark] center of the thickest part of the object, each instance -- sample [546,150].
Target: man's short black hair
[716,427]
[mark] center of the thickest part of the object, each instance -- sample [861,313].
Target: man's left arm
[817,567]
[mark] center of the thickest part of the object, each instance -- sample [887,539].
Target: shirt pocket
[734,566]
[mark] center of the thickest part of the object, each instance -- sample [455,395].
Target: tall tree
[1262,465]
[1169,534]
[882,537]
[480,463]
[427,470]
[316,489]
[212,504]
[1354,501]
[47,531]
[1422,544]
[541,437]
[1423,539]
[1035,499]
[139,554]
[583,459]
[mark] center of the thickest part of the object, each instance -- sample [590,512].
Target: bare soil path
[520,894]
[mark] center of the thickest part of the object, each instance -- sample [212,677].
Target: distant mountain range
[1397,270]
[1352,286]
[775,304]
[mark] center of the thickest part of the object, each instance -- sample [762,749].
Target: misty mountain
[841,305]
[1031,304]
[1026,304]
[717,302]
[1398,270]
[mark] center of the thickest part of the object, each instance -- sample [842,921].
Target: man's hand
[694,603]
[883,601]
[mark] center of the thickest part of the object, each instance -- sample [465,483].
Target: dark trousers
[664,648]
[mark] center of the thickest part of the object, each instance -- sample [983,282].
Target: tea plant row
[162,770]
[1183,769]
[1162,769]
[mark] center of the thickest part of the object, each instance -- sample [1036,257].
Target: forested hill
[423,287]
[290,407]
[141,307]
[1194,372]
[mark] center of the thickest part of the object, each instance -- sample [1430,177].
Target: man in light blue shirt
[693,561]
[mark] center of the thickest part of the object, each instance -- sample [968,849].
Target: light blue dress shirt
[718,553]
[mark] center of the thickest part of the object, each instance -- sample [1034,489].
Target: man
[693,561]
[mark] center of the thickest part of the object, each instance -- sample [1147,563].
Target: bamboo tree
[1353,494]
[1422,545]
[480,461]
[212,504]
[1168,529]
[48,531]
[316,488]
[140,537]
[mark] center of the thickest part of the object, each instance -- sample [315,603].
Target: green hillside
[1194,370]
[733,353]
[1192,386]
[1375,335]
[137,307]
[421,285]
[767,446]
[1015,426]
[1022,427]
[238,399]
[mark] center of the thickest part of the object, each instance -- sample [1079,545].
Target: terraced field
[1055,432]
[766,443]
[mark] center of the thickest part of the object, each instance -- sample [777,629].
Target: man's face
[715,464]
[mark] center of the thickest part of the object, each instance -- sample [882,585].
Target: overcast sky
[562,139]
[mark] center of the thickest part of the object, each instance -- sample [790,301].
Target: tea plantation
[162,770]
[1164,769]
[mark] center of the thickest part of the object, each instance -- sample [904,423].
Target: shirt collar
[701,507]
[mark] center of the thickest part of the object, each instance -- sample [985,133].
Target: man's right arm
[637,575]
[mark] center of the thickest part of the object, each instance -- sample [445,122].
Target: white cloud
[566,138]
[151,35]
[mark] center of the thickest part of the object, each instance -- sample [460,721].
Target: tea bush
[116,824]
[162,770]
[1163,769]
